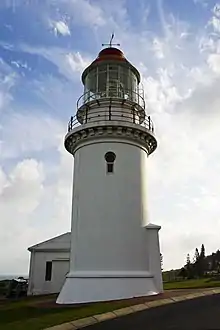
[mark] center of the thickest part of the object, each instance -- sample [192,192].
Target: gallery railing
[107,114]
[137,98]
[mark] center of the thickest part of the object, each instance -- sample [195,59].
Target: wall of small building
[60,267]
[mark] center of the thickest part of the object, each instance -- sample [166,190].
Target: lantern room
[112,83]
[111,75]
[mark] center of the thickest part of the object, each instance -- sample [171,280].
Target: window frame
[48,271]
[110,157]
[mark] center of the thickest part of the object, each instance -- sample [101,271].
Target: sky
[44,47]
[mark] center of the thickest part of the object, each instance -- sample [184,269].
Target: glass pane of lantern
[101,80]
[124,82]
[111,80]
[90,85]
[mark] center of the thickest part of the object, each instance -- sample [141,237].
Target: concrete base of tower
[82,287]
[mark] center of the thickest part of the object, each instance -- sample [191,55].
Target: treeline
[201,265]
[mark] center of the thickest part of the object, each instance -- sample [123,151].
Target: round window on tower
[110,158]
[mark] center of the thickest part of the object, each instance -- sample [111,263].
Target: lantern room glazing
[112,76]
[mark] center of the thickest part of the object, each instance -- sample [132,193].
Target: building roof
[110,53]
[58,243]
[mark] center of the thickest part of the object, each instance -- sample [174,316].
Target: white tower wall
[109,209]
[110,242]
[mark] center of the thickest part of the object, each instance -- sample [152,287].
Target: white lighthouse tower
[115,252]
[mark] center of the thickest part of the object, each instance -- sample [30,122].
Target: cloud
[215,23]
[216,10]
[7,81]
[60,27]
[203,3]
[35,203]
[24,186]
[25,133]
[183,174]
[158,48]
[77,62]
[21,192]
[84,12]
[69,64]
[81,13]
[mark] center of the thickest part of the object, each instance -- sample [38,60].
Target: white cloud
[216,10]
[215,22]
[158,48]
[204,3]
[84,12]
[21,193]
[77,62]
[34,205]
[187,163]
[24,186]
[7,81]
[25,133]
[214,62]
[70,64]
[60,27]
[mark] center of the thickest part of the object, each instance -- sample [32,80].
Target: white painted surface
[37,283]
[109,216]
[118,113]
[154,254]
[60,268]
[61,243]
[109,210]
[104,289]
[56,250]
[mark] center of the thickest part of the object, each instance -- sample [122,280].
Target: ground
[196,314]
[36,313]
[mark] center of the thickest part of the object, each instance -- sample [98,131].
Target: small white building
[49,264]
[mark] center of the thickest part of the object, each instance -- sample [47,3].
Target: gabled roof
[58,243]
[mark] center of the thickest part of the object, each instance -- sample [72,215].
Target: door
[60,268]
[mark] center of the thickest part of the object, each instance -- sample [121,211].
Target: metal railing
[116,93]
[96,116]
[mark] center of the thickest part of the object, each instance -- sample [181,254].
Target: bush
[3,286]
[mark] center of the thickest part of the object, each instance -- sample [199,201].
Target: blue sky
[44,47]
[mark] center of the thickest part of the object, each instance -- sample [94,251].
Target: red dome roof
[110,54]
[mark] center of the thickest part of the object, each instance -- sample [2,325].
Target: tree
[196,256]
[188,262]
[183,273]
[202,252]
[213,261]
[202,264]
[189,267]
[196,263]
[218,255]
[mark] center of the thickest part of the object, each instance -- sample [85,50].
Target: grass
[40,312]
[30,314]
[192,284]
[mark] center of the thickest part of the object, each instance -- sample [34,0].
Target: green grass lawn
[29,314]
[35,313]
[192,284]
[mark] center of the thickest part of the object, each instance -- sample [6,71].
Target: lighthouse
[115,251]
